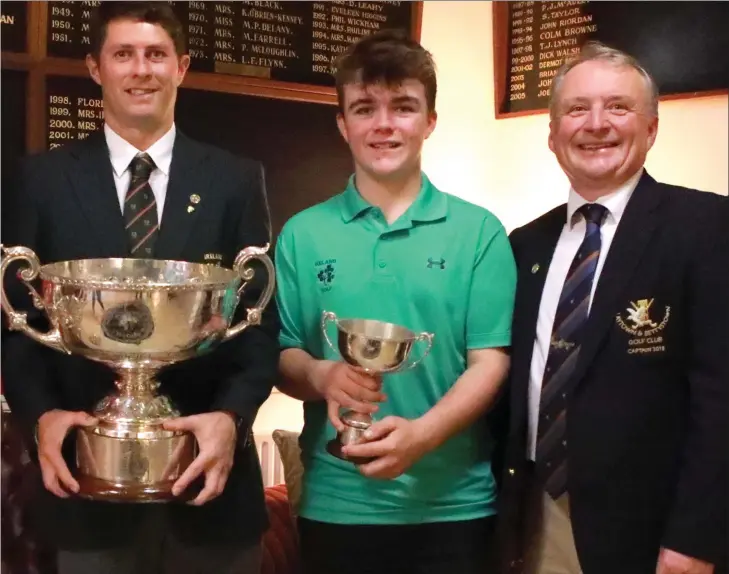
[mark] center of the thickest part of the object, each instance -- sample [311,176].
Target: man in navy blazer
[616,461]
[203,205]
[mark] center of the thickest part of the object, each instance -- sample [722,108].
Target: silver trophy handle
[18,320]
[428,338]
[254,314]
[326,317]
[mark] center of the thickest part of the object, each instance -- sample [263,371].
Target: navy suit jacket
[647,416]
[65,206]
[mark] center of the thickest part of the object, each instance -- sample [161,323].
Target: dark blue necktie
[564,347]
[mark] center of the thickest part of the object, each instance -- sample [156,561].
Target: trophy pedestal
[132,469]
[92,488]
[129,456]
[355,425]
[334,447]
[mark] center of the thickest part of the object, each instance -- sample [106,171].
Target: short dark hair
[152,12]
[389,57]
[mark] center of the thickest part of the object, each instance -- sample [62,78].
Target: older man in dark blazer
[617,454]
[191,202]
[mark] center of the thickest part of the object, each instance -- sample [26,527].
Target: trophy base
[126,466]
[334,447]
[92,488]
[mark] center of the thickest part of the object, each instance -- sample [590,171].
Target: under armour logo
[440,263]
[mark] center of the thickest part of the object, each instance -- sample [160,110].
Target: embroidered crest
[639,322]
[326,273]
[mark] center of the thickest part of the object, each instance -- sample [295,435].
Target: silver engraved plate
[128,323]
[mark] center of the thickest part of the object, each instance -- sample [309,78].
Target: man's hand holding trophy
[137,316]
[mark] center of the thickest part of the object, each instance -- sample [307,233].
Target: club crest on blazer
[645,324]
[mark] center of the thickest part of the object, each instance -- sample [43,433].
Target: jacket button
[512,472]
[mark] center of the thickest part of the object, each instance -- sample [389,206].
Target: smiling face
[603,127]
[386,127]
[139,72]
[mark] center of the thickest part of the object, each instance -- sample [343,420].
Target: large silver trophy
[377,348]
[136,316]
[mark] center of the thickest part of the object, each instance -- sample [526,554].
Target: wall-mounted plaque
[13,26]
[684,45]
[74,110]
[284,41]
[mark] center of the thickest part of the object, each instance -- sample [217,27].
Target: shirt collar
[429,205]
[121,152]
[615,202]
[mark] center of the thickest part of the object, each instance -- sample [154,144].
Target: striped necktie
[140,208]
[564,347]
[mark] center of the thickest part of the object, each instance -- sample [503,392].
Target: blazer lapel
[92,181]
[186,190]
[628,246]
[533,263]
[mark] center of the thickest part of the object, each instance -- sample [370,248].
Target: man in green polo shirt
[394,248]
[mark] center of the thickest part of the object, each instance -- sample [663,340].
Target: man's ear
[183,65]
[652,131]
[432,121]
[550,138]
[93,67]
[341,124]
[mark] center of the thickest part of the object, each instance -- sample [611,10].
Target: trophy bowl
[377,348]
[136,316]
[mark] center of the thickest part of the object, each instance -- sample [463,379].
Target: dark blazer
[65,207]
[647,417]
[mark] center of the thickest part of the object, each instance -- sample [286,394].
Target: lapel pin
[190,209]
[535,268]
[195,198]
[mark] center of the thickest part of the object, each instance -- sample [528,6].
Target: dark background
[12,37]
[12,116]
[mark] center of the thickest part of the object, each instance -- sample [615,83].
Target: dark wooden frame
[500,24]
[39,66]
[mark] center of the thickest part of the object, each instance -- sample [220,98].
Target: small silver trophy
[377,348]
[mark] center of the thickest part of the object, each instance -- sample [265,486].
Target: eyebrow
[405,100]
[396,100]
[132,47]
[610,98]
[360,102]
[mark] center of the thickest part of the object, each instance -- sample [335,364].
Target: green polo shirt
[445,267]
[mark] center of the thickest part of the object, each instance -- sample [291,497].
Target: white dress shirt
[121,153]
[573,233]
